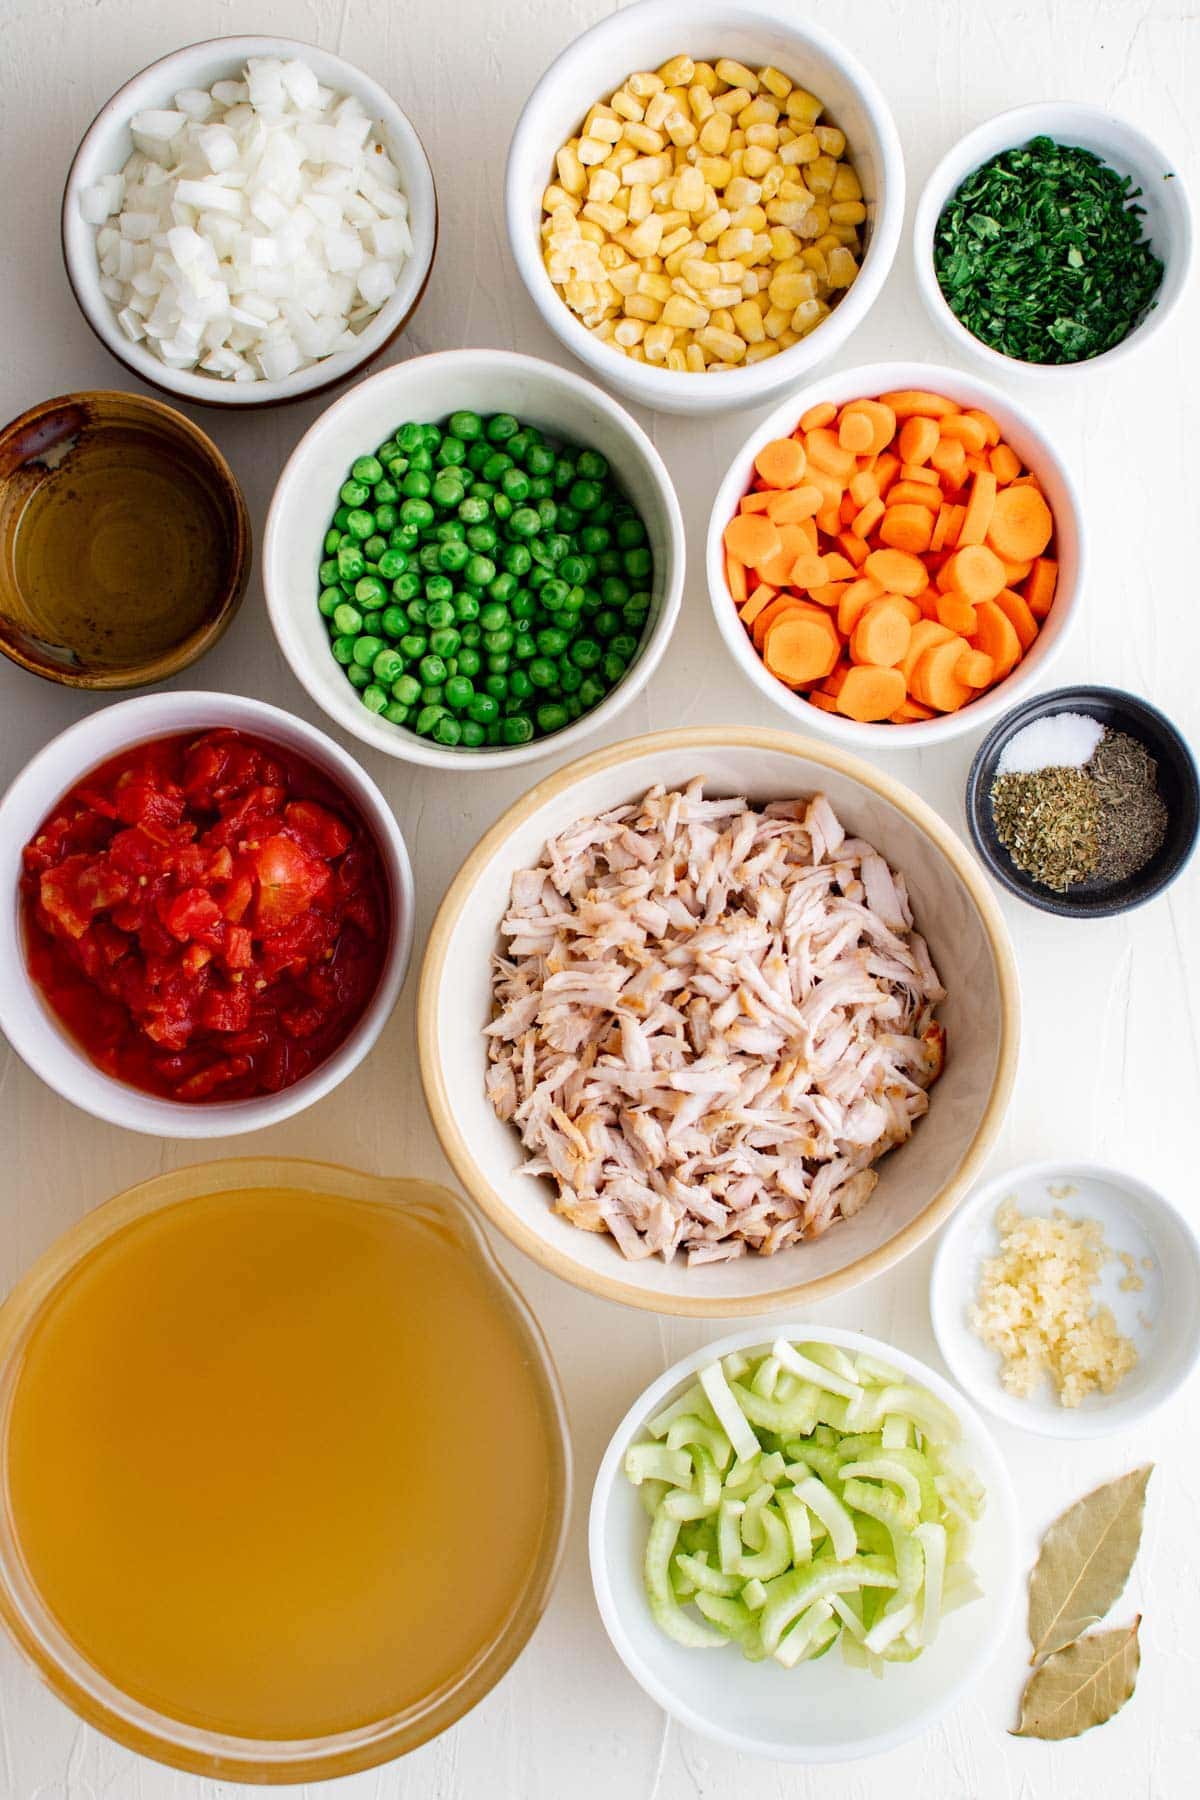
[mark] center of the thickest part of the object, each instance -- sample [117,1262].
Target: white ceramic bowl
[428,388]
[1168,220]
[821,1712]
[1027,438]
[643,37]
[1162,1317]
[24,1019]
[106,146]
[920,1183]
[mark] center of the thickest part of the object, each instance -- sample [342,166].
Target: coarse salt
[1064,740]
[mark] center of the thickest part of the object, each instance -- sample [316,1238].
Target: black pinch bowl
[1177,783]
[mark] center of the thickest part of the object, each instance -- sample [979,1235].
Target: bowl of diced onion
[249,220]
[812,1510]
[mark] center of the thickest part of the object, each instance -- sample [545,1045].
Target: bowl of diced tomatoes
[895,555]
[210,914]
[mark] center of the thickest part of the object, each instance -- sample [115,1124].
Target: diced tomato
[187,914]
[288,882]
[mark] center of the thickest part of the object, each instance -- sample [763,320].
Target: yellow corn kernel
[784,243]
[748,322]
[775,320]
[710,229]
[571,172]
[775,82]
[688,193]
[842,267]
[659,108]
[672,217]
[656,343]
[641,202]
[612,257]
[773,180]
[673,261]
[657,286]
[618,156]
[699,273]
[846,185]
[788,212]
[641,306]
[762,111]
[760,250]
[644,239]
[610,217]
[826,241]
[751,218]
[680,130]
[592,151]
[716,170]
[802,107]
[714,133]
[736,74]
[757,353]
[628,332]
[652,265]
[604,125]
[723,344]
[593,233]
[847,212]
[788,290]
[556,197]
[807,315]
[579,294]
[814,260]
[675,240]
[684,314]
[645,83]
[734,242]
[732,101]
[677,70]
[625,278]
[626,106]
[700,101]
[816,222]
[742,192]
[820,173]
[676,360]
[706,76]
[722,318]
[604,185]
[648,169]
[803,148]
[832,141]
[756,162]
[725,294]
[644,140]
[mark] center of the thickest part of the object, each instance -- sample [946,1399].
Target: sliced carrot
[837,568]
[800,649]
[940,527]
[782,604]
[886,469]
[825,702]
[963,429]
[918,472]
[923,637]
[831,489]
[829,520]
[1039,589]
[1016,611]
[762,596]
[782,462]
[954,527]
[735,577]
[858,595]
[991,431]
[818,416]
[854,548]
[907,527]
[1004,463]
[904,402]
[757,501]
[1021,524]
[976,668]
[950,460]
[752,539]
[866,520]
[928,603]
[809,570]
[856,433]
[910,608]
[787,506]
[974,527]
[976,573]
[824,452]
[881,635]
[882,420]
[794,541]
[828,593]
[832,684]
[918,439]
[897,571]
[847,510]
[914,493]
[1015,572]
[996,638]
[863,486]
[910,712]
[934,681]
[956,613]
[869,694]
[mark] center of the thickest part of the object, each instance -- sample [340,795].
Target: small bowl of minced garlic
[1065,1298]
[1084,802]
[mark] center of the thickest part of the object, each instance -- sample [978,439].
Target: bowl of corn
[704,204]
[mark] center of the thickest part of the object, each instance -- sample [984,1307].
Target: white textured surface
[1110,1064]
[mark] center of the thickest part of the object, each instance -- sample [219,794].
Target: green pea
[328,601]
[351,562]
[477,454]
[395,713]
[542,672]
[445,641]
[517,730]
[607,622]
[514,485]
[354,493]
[388,666]
[417,512]
[552,716]
[404,537]
[410,438]
[368,469]
[460,691]
[392,563]
[552,642]
[369,591]
[574,706]
[466,608]
[373,698]
[498,643]
[570,680]
[453,555]
[451,451]
[432,670]
[496,686]
[446,491]
[524,646]
[499,662]
[468,661]
[440,594]
[472,636]
[482,537]
[465,425]
[568,518]
[473,735]
[416,485]
[407,690]
[516,560]
[501,427]
[347,620]
[366,649]
[390,453]
[554,593]
[594,538]
[584,495]
[592,692]
[483,708]
[586,653]
[624,646]
[422,459]
[479,570]
[493,616]
[502,507]
[525,523]
[614,667]
[548,514]
[414,645]
[630,532]
[474,509]
[539,459]
[638,563]
[357,676]
[418,610]
[360,524]
[493,469]
[427,718]
[520,685]
[428,558]
[329,573]
[434,694]
[406,587]
[447,730]
[343,650]
[540,488]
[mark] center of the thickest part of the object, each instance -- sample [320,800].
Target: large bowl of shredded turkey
[716,1020]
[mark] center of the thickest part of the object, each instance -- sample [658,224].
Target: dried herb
[1040,254]
[1133,818]
[1049,824]
[1084,1562]
[1081,1686]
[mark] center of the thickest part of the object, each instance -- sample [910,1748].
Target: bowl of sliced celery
[812,1510]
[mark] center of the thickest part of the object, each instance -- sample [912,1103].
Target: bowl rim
[875,378]
[396,741]
[1000,1493]
[145,718]
[191,648]
[1022,122]
[975,800]
[669,390]
[799,1293]
[1067,1426]
[208,390]
[192,1747]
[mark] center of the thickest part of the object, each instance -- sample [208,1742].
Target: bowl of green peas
[473,557]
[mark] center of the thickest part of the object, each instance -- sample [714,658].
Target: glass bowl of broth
[124,541]
[285,1464]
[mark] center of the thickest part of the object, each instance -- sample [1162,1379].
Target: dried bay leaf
[1085,1561]
[1081,1686]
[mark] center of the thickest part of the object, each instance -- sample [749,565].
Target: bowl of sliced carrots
[895,554]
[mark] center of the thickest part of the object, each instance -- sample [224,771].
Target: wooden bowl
[920,1183]
[124,541]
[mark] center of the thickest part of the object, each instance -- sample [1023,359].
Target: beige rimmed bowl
[920,1184]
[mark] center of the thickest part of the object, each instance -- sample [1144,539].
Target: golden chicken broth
[279,1463]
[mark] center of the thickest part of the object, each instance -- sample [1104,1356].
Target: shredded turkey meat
[710,1021]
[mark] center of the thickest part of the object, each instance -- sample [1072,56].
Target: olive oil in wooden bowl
[124,541]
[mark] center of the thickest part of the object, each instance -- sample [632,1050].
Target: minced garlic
[1035,1307]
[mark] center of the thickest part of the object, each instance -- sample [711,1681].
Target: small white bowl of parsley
[1052,236]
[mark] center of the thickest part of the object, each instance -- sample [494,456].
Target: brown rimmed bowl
[920,1183]
[136,1724]
[52,636]
[106,146]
